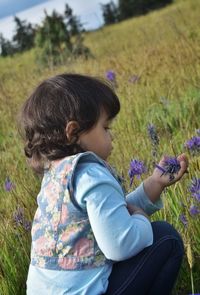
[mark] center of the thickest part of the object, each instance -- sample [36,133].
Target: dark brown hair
[54,103]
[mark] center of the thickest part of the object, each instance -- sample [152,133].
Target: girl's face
[99,138]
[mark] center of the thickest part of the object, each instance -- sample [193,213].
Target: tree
[24,35]
[130,8]
[73,24]
[80,49]
[6,47]
[22,40]
[55,37]
[110,13]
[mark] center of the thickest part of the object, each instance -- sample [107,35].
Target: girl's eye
[107,128]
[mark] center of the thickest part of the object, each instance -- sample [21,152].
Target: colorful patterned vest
[62,238]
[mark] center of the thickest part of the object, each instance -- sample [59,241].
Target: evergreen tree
[6,47]
[80,49]
[55,38]
[130,8]
[73,24]
[110,13]
[24,35]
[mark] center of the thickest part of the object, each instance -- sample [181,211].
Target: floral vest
[62,238]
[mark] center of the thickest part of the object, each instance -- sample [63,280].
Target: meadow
[156,60]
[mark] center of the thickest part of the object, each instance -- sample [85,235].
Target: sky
[88,11]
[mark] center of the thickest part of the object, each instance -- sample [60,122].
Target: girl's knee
[162,229]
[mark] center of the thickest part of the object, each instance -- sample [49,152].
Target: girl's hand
[136,210]
[167,179]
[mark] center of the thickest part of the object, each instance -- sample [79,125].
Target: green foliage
[79,49]
[113,13]
[55,40]
[110,13]
[130,8]
[6,47]
[73,24]
[24,35]
[22,40]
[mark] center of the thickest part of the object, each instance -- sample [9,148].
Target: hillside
[156,59]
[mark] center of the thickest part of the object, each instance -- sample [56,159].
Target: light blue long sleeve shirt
[118,234]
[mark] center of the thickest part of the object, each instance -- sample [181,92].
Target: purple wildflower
[111,76]
[183,219]
[171,166]
[137,168]
[195,188]
[151,129]
[153,134]
[194,210]
[27,225]
[8,184]
[134,79]
[20,220]
[18,216]
[193,145]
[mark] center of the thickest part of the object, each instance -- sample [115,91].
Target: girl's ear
[71,127]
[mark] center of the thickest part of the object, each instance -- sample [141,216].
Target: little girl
[88,238]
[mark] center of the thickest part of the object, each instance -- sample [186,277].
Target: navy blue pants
[154,270]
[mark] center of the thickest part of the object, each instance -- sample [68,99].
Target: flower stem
[192,282]
[160,168]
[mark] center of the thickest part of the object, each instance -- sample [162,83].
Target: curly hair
[54,103]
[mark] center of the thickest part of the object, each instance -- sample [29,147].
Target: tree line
[60,35]
[113,13]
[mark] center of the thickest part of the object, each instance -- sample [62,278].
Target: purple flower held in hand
[8,185]
[194,210]
[171,166]
[137,168]
[111,76]
[183,219]
[193,145]
[195,188]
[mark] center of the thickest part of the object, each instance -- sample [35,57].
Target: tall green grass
[163,49]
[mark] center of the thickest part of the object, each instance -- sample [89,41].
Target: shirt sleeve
[118,234]
[140,199]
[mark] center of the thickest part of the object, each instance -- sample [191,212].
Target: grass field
[160,53]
